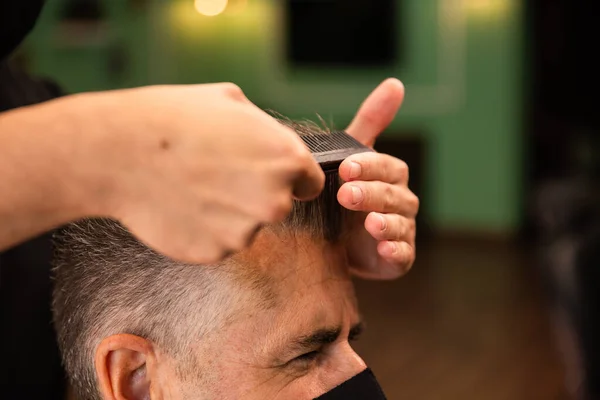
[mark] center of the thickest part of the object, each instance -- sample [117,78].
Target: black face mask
[363,386]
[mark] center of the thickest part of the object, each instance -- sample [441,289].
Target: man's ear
[124,367]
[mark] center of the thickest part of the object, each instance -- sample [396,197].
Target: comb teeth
[330,149]
[319,143]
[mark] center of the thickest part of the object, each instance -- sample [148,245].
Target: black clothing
[30,366]
[17,18]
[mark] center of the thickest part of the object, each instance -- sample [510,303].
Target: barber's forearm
[45,167]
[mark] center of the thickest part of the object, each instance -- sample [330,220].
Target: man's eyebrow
[326,336]
[356,331]
[318,338]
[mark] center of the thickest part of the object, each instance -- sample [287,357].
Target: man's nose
[352,364]
[345,365]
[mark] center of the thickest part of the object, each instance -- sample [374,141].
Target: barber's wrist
[60,162]
[40,183]
[93,154]
[112,138]
[67,142]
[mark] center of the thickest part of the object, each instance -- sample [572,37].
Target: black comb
[330,149]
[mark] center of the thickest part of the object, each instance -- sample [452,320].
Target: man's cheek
[292,386]
[311,383]
[240,378]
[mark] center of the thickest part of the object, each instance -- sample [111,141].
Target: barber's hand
[195,170]
[377,184]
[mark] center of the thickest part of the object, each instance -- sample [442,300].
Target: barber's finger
[379,197]
[310,179]
[399,254]
[374,167]
[307,177]
[390,227]
[377,111]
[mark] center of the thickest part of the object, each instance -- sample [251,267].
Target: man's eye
[307,357]
[354,338]
[355,335]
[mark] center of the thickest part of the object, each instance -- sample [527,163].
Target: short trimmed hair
[107,282]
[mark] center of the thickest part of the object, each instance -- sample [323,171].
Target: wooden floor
[467,323]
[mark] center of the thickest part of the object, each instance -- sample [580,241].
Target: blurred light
[487,8]
[237,6]
[210,8]
[242,20]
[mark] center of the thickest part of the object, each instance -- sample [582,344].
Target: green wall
[462,69]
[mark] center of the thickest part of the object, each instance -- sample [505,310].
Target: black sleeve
[30,364]
[17,18]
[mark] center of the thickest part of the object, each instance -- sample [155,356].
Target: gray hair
[107,282]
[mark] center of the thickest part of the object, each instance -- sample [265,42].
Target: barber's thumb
[310,182]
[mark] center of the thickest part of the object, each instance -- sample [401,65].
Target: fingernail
[383,222]
[355,170]
[394,247]
[357,195]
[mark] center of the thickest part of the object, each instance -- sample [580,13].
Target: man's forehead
[309,287]
[293,271]
[283,255]
[299,313]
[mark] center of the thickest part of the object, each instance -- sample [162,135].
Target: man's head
[271,322]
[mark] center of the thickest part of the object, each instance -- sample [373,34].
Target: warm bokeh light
[210,7]
[237,7]
[487,8]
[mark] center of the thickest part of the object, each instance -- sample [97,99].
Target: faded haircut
[107,282]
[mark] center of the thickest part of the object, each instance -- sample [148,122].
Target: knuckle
[252,233]
[278,209]
[389,197]
[409,256]
[237,241]
[246,238]
[287,150]
[403,227]
[211,254]
[402,170]
[409,265]
[243,239]
[411,225]
[369,162]
[298,165]
[233,91]
[414,203]
[297,153]
[227,253]
[412,259]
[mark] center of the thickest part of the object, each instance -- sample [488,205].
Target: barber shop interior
[299,199]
